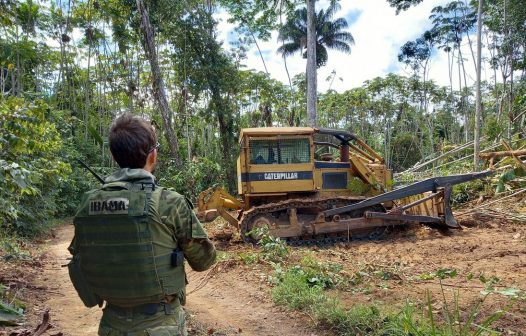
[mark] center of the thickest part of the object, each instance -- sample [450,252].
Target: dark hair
[131,140]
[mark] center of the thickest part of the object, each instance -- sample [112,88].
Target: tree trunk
[18,91]
[478,111]
[450,70]
[293,100]
[311,63]
[511,117]
[157,81]
[87,88]
[259,50]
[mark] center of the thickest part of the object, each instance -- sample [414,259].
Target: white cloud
[378,32]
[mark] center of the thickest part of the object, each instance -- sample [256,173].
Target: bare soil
[216,305]
[234,298]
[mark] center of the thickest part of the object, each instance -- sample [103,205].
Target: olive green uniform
[130,240]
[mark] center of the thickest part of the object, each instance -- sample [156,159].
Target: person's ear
[152,157]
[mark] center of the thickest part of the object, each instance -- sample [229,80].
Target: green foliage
[402,5]
[493,128]
[273,248]
[212,96]
[321,274]
[406,152]
[11,250]
[11,309]
[257,17]
[357,186]
[296,290]
[9,315]
[510,175]
[468,191]
[329,34]
[358,320]
[192,179]
[248,258]
[30,170]
[442,273]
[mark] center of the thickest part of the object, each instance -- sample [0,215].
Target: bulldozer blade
[405,218]
[416,188]
[449,219]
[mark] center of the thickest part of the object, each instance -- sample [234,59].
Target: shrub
[191,179]
[30,170]
[465,192]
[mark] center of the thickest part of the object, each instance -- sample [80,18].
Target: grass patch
[299,289]
[296,290]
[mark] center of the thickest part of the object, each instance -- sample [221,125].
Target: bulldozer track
[321,203]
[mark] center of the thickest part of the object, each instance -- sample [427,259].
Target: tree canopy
[68,68]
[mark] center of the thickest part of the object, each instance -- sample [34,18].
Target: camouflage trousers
[163,323]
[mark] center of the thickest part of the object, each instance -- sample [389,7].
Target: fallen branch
[451,152]
[39,330]
[455,285]
[470,156]
[507,216]
[489,203]
[44,326]
[515,156]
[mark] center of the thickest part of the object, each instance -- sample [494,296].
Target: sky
[378,33]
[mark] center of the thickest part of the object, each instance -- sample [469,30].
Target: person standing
[132,238]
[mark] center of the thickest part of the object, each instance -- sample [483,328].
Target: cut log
[488,155]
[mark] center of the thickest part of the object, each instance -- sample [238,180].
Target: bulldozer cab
[278,161]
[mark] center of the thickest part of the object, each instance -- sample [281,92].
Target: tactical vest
[122,261]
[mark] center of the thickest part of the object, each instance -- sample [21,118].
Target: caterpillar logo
[111,206]
[281,176]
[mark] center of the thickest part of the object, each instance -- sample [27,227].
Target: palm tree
[329,34]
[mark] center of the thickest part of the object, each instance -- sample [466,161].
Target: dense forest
[68,68]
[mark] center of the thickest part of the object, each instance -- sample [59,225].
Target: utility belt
[146,309]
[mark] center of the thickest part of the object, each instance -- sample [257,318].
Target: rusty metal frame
[431,184]
[403,217]
[351,224]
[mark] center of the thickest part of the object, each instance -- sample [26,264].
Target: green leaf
[6,308]
[446,273]
[513,292]
[19,180]
[95,135]
[506,177]
[8,319]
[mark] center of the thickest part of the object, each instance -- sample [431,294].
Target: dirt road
[234,297]
[215,305]
[67,312]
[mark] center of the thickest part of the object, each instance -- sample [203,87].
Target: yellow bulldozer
[315,183]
